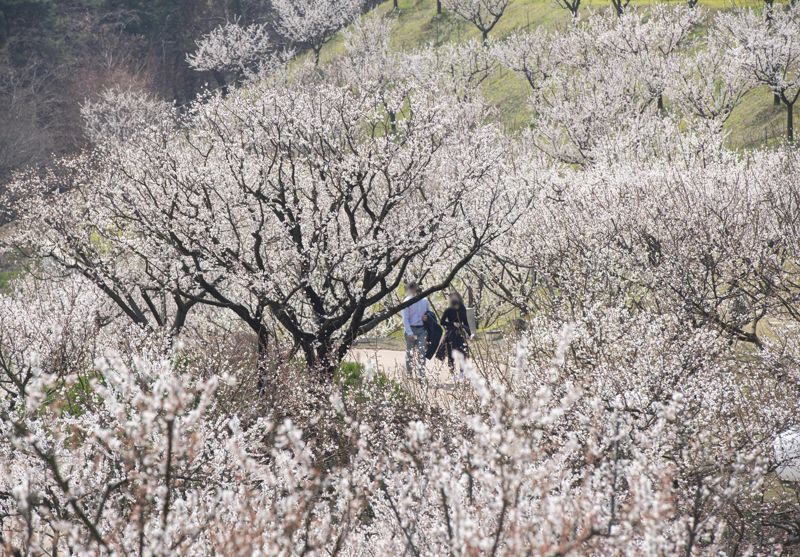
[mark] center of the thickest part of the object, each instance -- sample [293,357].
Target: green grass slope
[755,122]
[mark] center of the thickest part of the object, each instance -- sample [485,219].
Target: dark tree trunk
[327,361]
[395,5]
[661,103]
[790,122]
[776,99]
[619,6]
[263,367]
[221,81]
[321,359]
[181,313]
[438,7]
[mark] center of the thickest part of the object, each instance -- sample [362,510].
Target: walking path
[393,364]
[386,356]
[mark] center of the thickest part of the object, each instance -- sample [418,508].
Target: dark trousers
[454,340]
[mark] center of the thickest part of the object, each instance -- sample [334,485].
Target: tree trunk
[221,81]
[438,7]
[327,361]
[619,6]
[263,368]
[321,359]
[485,33]
[324,352]
[661,103]
[395,5]
[790,122]
[776,99]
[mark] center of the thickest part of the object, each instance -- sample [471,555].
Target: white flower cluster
[233,48]
[171,357]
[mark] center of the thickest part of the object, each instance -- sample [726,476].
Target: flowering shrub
[171,356]
[598,437]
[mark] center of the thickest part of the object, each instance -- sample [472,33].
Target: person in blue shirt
[416,334]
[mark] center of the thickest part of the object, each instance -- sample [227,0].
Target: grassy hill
[756,121]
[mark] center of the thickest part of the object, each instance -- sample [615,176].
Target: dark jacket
[455,337]
[452,316]
[434,334]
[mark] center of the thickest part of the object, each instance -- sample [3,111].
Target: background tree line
[55,54]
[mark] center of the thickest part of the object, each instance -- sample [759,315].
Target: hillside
[755,121]
[54,55]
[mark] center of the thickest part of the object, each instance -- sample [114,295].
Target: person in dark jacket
[456,328]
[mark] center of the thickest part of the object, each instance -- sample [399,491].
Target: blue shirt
[412,315]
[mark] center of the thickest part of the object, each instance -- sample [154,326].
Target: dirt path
[393,364]
[441,386]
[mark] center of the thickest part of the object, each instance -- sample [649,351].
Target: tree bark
[221,81]
[320,358]
[790,122]
[327,361]
[263,368]
[438,7]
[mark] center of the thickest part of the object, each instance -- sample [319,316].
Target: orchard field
[189,299]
